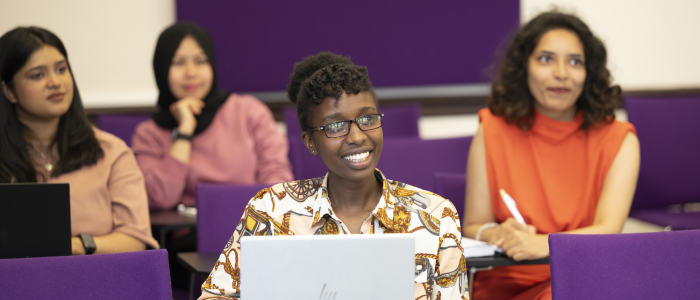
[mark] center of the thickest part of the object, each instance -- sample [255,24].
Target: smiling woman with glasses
[341,123]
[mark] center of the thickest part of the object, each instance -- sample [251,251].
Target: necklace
[48,166]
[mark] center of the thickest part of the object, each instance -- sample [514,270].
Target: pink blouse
[242,145]
[106,197]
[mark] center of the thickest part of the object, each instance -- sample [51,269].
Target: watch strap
[88,243]
[179,136]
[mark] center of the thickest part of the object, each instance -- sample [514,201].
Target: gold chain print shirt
[303,208]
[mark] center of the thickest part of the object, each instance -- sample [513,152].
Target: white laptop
[328,267]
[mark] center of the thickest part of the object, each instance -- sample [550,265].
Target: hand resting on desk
[519,242]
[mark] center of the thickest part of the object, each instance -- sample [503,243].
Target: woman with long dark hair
[203,133]
[46,137]
[549,139]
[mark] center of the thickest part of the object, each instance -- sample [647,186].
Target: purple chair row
[667,128]
[658,265]
[134,275]
[408,160]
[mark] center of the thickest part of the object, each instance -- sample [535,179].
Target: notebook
[474,248]
[357,266]
[34,220]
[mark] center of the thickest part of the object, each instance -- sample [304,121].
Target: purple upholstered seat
[133,275]
[451,186]
[219,208]
[658,265]
[408,160]
[400,120]
[668,131]
[121,125]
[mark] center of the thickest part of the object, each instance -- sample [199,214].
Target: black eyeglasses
[342,128]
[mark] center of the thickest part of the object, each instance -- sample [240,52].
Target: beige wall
[110,43]
[651,44]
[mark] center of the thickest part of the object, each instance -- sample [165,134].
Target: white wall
[110,43]
[651,44]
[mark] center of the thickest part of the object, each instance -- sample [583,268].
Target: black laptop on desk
[34,220]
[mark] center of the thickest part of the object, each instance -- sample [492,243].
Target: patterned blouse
[303,208]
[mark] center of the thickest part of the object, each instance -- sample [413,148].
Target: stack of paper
[474,248]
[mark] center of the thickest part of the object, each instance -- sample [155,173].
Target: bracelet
[483,228]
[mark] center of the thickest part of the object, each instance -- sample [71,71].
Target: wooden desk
[475,264]
[168,220]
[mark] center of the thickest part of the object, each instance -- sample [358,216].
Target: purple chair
[408,160]
[658,265]
[121,125]
[669,173]
[219,208]
[414,161]
[401,120]
[132,275]
[304,165]
[451,186]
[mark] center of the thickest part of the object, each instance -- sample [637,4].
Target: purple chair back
[132,275]
[668,130]
[121,125]
[414,161]
[219,208]
[408,160]
[400,120]
[658,265]
[451,186]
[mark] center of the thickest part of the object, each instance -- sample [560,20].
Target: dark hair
[324,75]
[168,42]
[75,138]
[510,95]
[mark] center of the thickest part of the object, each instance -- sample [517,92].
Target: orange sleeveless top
[554,171]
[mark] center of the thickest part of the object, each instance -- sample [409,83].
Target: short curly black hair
[324,75]
[510,95]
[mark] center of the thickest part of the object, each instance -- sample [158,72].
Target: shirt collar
[322,204]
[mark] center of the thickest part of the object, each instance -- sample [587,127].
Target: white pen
[510,203]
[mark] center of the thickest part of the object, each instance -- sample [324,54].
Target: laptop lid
[34,220]
[358,266]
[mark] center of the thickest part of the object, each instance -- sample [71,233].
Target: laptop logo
[327,295]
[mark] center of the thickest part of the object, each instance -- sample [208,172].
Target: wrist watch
[88,243]
[177,135]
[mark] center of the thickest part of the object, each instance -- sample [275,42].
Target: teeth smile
[357,157]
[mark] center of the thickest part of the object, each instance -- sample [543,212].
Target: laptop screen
[34,220]
[328,267]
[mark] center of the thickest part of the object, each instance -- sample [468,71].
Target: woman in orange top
[550,140]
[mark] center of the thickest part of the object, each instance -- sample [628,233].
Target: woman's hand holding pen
[498,235]
[521,242]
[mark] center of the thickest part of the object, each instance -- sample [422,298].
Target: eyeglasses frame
[323,127]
